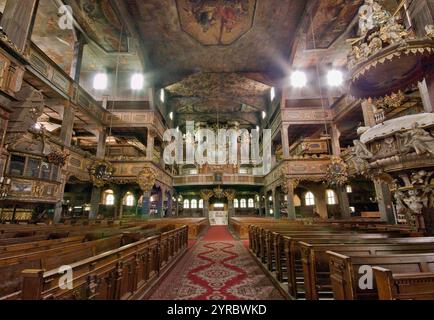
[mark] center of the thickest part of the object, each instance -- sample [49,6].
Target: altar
[218,218]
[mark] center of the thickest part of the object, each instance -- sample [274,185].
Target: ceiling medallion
[216,22]
[101,173]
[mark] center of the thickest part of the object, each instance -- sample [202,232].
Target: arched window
[309,199]
[236,203]
[129,201]
[186,204]
[109,198]
[349,189]
[194,204]
[243,203]
[201,204]
[251,203]
[331,197]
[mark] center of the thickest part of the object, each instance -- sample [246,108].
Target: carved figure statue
[417,139]
[366,22]
[361,151]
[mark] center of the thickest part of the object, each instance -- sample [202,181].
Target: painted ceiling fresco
[331,20]
[101,23]
[221,87]
[2,5]
[216,22]
[227,96]
[173,51]
[57,43]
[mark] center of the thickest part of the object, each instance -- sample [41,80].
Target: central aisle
[217,267]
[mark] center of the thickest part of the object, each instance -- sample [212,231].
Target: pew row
[315,260]
[12,265]
[404,286]
[346,272]
[121,274]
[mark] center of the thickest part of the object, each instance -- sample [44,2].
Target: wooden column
[146,204]
[320,201]
[368,113]
[96,192]
[150,145]
[206,196]
[285,140]
[67,124]
[18,20]
[102,142]
[169,203]
[58,207]
[267,204]
[77,57]
[426,89]
[95,199]
[290,207]
[160,203]
[261,210]
[384,199]
[344,203]
[276,204]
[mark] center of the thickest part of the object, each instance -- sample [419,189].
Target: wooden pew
[404,286]
[315,260]
[11,267]
[120,274]
[9,250]
[291,257]
[292,254]
[68,253]
[344,271]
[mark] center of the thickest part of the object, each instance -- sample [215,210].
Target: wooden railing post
[32,284]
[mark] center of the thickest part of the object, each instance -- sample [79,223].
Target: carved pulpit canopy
[146,179]
[386,57]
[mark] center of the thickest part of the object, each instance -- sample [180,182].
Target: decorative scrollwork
[392,101]
[337,172]
[230,194]
[219,193]
[58,158]
[206,194]
[101,173]
[146,179]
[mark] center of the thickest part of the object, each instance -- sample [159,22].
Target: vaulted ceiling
[218,56]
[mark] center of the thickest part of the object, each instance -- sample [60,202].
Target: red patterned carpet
[217,268]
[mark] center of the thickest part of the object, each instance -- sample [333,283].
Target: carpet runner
[217,268]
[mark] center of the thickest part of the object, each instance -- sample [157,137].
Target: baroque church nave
[216,150]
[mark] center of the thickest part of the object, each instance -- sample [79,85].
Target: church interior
[216,150]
